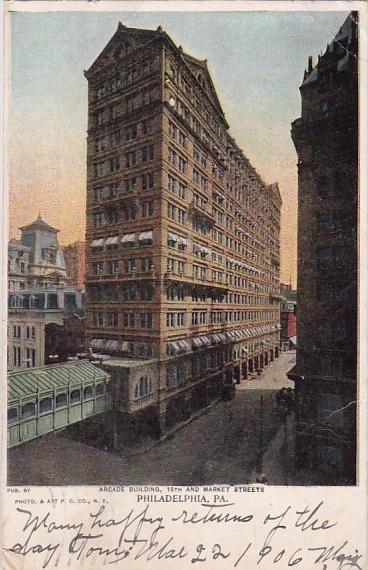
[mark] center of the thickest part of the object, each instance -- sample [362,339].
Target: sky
[256,60]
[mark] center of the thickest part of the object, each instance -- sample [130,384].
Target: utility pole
[260,451]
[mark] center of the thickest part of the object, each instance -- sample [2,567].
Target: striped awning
[148,234]
[112,240]
[184,345]
[97,343]
[173,346]
[128,238]
[98,242]
[182,240]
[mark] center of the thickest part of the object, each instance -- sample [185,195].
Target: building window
[115,164]
[17,331]
[45,405]
[148,181]
[146,292]
[98,219]
[99,169]
[130,213]
[75,396]
[113,267]
[130,265]
[129,294]
[115,138]
[61,400]
[148,96]
[129,320]
[147,264]
[12,415]
[112,320]
[147,209]
[131,184]
[97,268]
[17,356]
[28,410]
[88,393]
[130,159]
[131,132]
[146,320]
[170,319]
[147,126]
[148,153]
[143,387]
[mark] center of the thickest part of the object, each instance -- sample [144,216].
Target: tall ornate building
[182,241]
[326,140]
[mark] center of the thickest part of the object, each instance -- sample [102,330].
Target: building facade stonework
[75,263]
[326,140]
[182,239]
[26,339]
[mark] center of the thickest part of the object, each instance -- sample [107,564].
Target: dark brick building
[182,241]
[326,140]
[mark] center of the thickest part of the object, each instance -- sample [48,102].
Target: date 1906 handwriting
[141,534]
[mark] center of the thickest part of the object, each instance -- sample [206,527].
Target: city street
[223,445]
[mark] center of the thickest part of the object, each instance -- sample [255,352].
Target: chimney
[310,64]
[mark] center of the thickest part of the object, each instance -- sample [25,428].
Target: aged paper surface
[166,402]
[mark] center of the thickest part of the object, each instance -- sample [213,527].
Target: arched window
[12,415]
[143,387]
[28,410]
[88,392]
[61,400]
[100,389]
[75,396]
[45,405]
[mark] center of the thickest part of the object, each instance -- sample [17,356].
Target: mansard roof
[16,244]
[40,224]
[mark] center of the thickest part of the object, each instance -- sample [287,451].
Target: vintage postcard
[184,272]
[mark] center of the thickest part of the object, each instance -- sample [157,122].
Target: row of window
[29,331]
[126,134]
[29,357]
[125,77]
[48,405]
[204,273]
[129,104]
[132,158]
[132,265]
[175,213]
[129,212]
[143,388]
[128,319]
[177,134]
[143,292]
[177,319]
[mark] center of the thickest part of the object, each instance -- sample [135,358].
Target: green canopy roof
[26,383]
